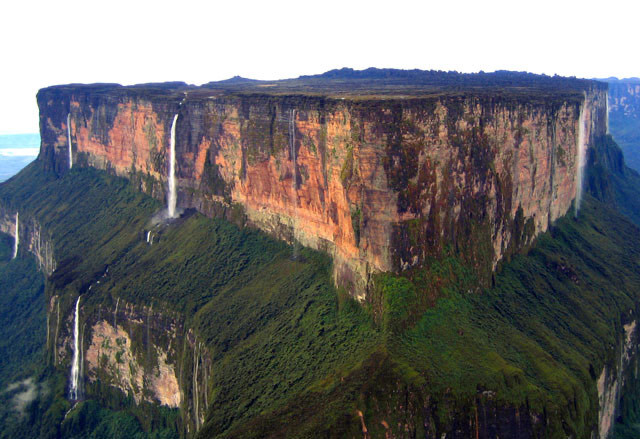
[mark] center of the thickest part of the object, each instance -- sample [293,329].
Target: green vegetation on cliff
[535,342]
[274,326]
[22,313]
[429,353]
[22,332]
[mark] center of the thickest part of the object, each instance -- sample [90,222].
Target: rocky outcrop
[613,379]
[111,355]
[197,371]
[32,238]
[381,184]
[136,350]
[624,97]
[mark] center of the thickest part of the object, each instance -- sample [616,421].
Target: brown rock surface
[111,352]
[379,184]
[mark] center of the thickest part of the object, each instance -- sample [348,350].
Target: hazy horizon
[16,152]
[197,42]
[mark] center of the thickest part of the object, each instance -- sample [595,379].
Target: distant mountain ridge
[624,117]
[367,82]
[16,151]
[614,79]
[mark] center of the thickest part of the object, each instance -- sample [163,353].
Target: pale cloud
[19,152]
[28,391]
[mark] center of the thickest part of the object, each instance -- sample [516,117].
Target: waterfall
[115,316]
[196,413]
[292,145]
[171,199]
[581,158]
[16,241]
[69,139]
[75,365]
[55,341]
[607,116]
[149,236]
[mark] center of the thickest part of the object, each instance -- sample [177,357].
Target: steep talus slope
[205,300]
[288,355]
[199,328]
[519,360]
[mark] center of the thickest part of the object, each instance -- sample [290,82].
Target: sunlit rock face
[379,184]
[134,350]
[124,347]
[111,356]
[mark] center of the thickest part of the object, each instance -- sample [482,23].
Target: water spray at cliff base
[581,158]
[171,212]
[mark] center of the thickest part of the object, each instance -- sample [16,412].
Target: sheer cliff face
[615,378]
[144,353]
[32,238]
[625,98]
[624,115]
[379,184]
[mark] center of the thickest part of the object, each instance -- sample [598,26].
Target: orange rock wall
[110,355]
[380,185]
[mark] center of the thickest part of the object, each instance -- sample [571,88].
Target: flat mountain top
[365,84]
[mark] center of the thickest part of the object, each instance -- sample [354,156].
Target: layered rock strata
[381,184]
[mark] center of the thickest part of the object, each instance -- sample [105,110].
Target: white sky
[132,41]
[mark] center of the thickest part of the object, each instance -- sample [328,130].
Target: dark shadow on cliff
[609,180]
[296,358]
[531,348]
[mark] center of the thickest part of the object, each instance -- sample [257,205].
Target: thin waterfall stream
[75,364]
[69,140]
[172,197]
[581,158]
[16,241]
[607,115]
